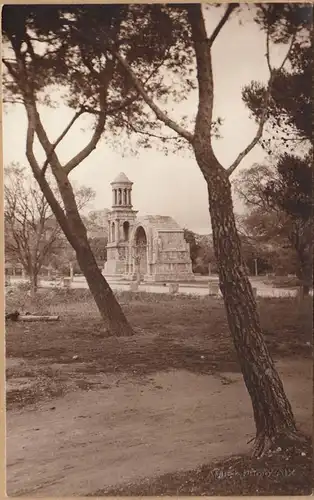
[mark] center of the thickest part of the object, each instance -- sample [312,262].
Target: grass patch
[172,332]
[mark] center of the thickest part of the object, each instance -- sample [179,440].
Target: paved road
[200,287]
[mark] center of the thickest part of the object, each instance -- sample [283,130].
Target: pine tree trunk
[108,306]
[273,415]
[272,411]
[75,232]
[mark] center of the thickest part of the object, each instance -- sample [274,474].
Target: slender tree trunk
[272,411]
[71,222]
[306,290]
[305,272]
[109,308]
[33,283]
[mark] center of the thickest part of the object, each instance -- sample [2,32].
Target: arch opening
[140,252]
[126,230]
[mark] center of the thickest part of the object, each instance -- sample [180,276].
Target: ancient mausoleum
[149,248]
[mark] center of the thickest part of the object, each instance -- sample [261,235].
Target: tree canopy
[289,113]
[280,203]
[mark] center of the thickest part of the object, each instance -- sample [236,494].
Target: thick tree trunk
[272,411]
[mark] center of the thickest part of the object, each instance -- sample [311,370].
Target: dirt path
[87,441]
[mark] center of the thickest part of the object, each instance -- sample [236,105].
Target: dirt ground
[89,415]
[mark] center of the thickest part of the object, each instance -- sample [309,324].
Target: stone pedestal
[67,282]
[134,286]
[173,288]
[214,289]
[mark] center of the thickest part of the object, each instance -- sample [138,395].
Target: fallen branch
[30,317]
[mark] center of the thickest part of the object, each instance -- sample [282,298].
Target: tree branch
[259,133]
[61,136]
[162,116]
[34,125]
[46,189]
[79,157]
[221,23]
[10,68]
[150,134]
[268,52]
[105,77]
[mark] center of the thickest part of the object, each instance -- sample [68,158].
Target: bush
[24,286]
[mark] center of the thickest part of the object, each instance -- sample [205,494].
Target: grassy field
[172,332]
[46,361]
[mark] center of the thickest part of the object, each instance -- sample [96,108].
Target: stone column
[117,228]
[129,197]
[71,270]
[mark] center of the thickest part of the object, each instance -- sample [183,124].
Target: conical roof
[121,179]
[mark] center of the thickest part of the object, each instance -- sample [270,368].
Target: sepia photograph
[158,249]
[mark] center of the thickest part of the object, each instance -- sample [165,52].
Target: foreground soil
[277,473]
[90,415]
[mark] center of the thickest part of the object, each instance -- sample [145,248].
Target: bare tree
[32,233]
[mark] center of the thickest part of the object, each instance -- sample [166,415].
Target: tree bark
[69,217]
[305,271]
[272,411]
[273,415]
[75,231]
[33,283]
[108,306]
[73,227]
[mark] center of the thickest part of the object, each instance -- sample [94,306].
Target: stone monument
[150,248]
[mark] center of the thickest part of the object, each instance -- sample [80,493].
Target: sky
[173,184]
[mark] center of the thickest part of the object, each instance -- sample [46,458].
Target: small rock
[202,357]
[75,357]
[303,454]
